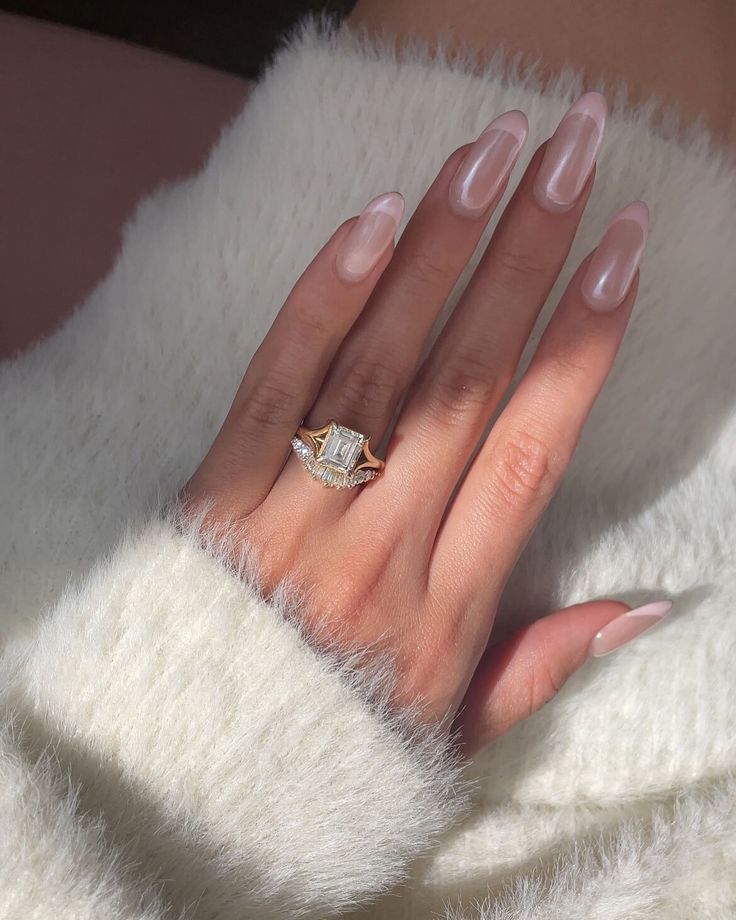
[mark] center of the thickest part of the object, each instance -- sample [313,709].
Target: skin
[90,125]
[421,572]
[427,596]
[677,50]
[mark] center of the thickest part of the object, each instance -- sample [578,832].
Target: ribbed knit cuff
[247,767]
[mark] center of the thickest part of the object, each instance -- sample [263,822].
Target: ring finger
[288,368]
[378,358]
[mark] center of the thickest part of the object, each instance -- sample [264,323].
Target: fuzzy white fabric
[192,712]
[207,776]
[54,861]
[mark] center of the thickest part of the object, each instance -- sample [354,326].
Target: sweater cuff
[189,708]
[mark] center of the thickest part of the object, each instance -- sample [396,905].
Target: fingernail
[613,264]
[487,164]
[570,154]
[628,626]
[374,230]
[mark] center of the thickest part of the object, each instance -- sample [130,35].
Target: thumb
[519,675]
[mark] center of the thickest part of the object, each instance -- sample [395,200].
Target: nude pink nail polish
[368,239]
[487,163]
[628,626]
[570,154]
[613,264]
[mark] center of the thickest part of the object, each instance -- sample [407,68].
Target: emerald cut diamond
[332,455]
[341,448]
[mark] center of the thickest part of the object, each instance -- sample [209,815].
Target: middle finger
[470,367]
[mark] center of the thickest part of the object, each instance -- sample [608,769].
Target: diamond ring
[337,456]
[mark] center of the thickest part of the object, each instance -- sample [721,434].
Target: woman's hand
[414,562]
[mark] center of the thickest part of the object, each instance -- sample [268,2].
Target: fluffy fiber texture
[615,801]
[53,861]
[216,744]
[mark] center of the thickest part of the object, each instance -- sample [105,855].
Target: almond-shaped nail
[368,239]
[570,154]
[613,264]
[487,164]
[628,626]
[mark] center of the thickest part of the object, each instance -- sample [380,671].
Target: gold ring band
[336,456]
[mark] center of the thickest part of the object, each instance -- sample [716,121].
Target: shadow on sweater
[193,875]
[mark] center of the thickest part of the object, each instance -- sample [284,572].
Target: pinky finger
[518,676]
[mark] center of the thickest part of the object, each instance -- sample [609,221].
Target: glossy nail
[487,164]
[628,626]
[570,154]
[613,264]
[368,239]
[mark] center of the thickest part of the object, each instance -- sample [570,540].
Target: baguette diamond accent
[344,451]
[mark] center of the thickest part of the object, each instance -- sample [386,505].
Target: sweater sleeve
[225,758]
[55,862]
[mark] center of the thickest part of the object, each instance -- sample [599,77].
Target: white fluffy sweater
[171,746]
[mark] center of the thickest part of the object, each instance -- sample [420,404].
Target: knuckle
[568,365]
[427,267]
[525,472]
[462,388]
[371,386]
[313,322]
[520,263]
[271,403]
